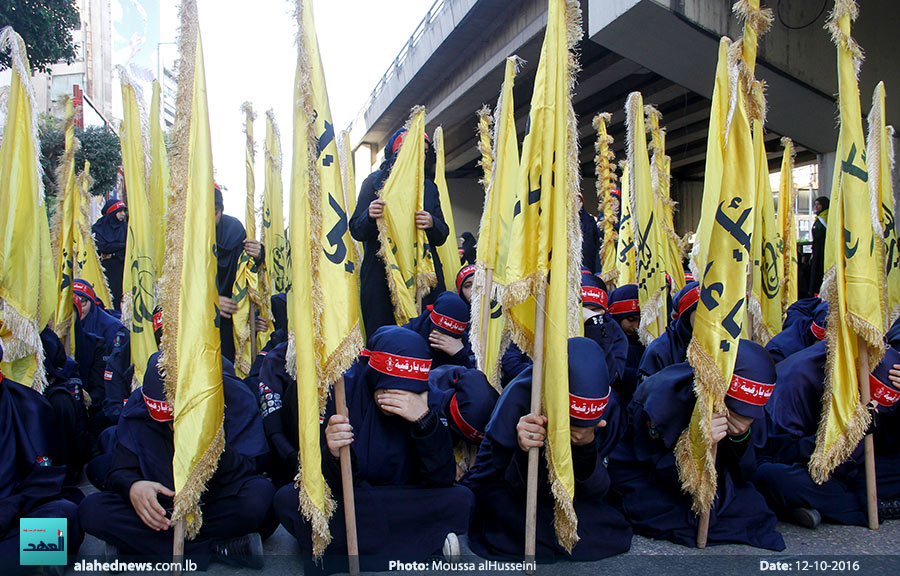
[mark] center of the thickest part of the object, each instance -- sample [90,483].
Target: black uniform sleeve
[363,228]
[42,484]
[439,230]
[434,448]
[125,470]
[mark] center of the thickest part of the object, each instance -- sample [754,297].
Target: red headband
[159,410]
[114,207]
[624,307]
[467,430]
[883,394]
[688,277]
[399,366]
[449,324]
[399,140]
[594,295]
[687,301]
[464,273]
[587,408]
[756,393]
[817,331]
[84,289]
[157,321]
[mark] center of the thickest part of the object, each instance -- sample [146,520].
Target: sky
[250,55]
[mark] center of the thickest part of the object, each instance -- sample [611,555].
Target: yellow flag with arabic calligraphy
[273,237]
[626,263]
[854,270]
[158,188]
[493,246]
[64,226]
[545,222]
[192,354]
[787,196]
[27,278]
[409,267]
[139,281]
[87,262]
[721,310]
[880,155]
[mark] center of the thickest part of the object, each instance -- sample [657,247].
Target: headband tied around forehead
[749,391]
[157,321]
[447,323]
[882,394]
[463,274]
[625,307]
[687,301]
[159,410]
[118,205]
[467,429]
[595,296]
[587,409]
[398,366]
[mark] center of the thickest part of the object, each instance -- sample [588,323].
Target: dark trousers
[111,518]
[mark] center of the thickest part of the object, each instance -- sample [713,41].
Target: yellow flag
[721,310]
[651,243]
[192,353]
[139,281]
[880,154]
[546,222]
[250,281]
[447,252]
[854,272]
[626,265]
[605,170]
[27,278]
[273,212]
[323,305]
[87,262]
[159,182]
[661,171]
[493,246]
[64,226]
[485,121]
[715,147]
[404,248]
[348,176]
[787,196]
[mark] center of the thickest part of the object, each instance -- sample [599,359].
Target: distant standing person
[110,234]
[817,261]
[467,248]
[375,297]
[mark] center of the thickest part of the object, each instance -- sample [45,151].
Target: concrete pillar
[826,172]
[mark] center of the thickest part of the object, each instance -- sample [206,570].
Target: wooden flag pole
[537,382]
[486,313]
[703,526]
[865,398]
[253,347]
[340,400]
[178,547]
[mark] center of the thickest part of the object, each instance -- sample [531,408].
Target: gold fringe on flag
[605,171]
[485,121]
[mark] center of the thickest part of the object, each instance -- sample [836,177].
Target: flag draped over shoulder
[787,196]
[493,246]
[605,170]
[158,188]
[447,252]
[249,281]
[853,284]
[721,309]
[409,267]
[273,212]
[139,282]
[880,155]
[324,300]
[546,222]
[765,307]
[192,354]
[626,263]
[64,231]
[27,278]
[646,210]
[87,262]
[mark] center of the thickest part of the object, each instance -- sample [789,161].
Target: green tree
[46,27]
[99,145]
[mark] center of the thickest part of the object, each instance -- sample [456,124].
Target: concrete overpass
[453,64]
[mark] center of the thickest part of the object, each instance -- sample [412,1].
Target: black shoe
[246,551]
[889,509]
[806,517]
